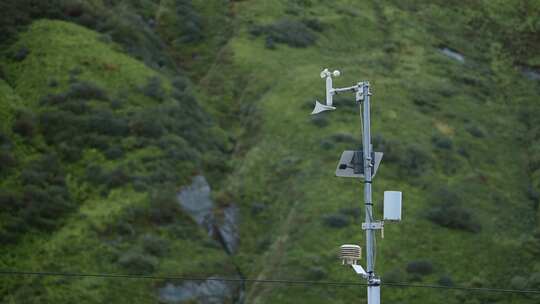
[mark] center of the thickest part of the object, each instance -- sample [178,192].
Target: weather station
[362,164]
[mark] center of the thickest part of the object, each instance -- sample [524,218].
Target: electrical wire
[264,281]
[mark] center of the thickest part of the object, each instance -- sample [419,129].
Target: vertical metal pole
[366,143]
[373,284]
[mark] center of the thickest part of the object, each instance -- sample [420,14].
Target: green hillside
[110,109]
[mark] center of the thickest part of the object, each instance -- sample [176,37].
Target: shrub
[291,32]
[519,282]
[313,24]
[447,211]
[475,131]
[336,220]
[105,122]
[393,276]
[45,204]
[164,206]
[319,120]
[116,178]
[354,212]
[114,152]
[179,83]
[189,22]
[445,281]
[53,99]
[7,160]
[344,138]
[414,160]
[442,142]
[317,273]
[154,89]
[154,245]
[146,126]
[86,91]
[327,144]
[257,208]
[21,54]
[420,267]
[269,43]
[25,124]
[137,262]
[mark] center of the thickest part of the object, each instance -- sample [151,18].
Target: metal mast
[362,164]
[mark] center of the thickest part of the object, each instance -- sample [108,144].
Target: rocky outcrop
[221,224]
[210,291]
[196,200]
[228,229]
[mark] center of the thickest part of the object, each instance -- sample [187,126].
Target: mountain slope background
[109,108]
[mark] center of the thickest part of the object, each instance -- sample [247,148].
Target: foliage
[138,263]
[288,31]
[447,211]
[420,267]
[336,220]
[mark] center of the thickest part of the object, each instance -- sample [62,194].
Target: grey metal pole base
[374,294]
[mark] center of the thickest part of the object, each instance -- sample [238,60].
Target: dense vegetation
[108,108]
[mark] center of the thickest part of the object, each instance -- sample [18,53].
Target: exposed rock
[228,229]
[453,54]
[196,201]
[207,292]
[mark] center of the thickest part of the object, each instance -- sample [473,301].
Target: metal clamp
[373,226]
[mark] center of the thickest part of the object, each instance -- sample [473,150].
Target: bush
[327,144]
[475,131]
[414,160]
[393,276]
[86,91]
[420,267]
[317,273]
[25,124]
[313,24]
[445,281]
[146,126]
[354,212]
[519,282]
[336,220]
[447,211]
[138,263]
[45,195]
[164,206]
[291,32]
[7,160]
[114,152]
[154,89]
[154,245]
[319,120]
[442,142]
[21,54]
[189,24]
[116,178]
[344,138]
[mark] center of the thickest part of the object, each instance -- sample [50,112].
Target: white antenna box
[392,205]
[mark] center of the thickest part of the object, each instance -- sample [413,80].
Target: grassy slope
[283,177]
[292,174]
[83,244]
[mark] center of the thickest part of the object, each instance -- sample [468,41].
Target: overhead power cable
[263,281]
